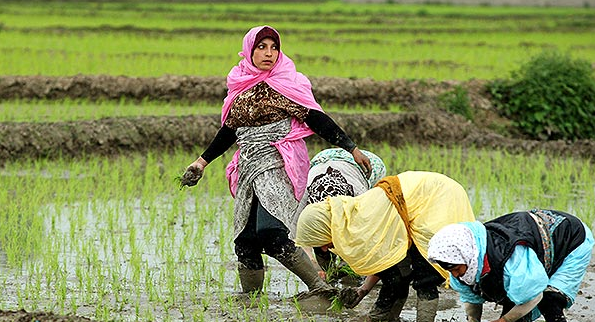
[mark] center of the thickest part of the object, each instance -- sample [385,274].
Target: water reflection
[163,259]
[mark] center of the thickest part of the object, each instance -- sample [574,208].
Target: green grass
[85,110]
[381,41]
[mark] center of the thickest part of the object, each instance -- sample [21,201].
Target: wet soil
[24,316]
[314,308]
[424,122]
[424,119]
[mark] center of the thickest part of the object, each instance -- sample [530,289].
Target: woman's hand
[199,163]
[363,161]
[351,296]
[319,269]
[322,274]
[193,173]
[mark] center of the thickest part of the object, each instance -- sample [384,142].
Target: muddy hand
[363,161]
[351,296]
[191,176]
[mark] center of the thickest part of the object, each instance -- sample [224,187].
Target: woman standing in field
[384,234]
[268,111]
[531,262]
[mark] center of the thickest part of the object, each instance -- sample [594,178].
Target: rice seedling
[381,41]
[337,303]
[118,236]
[84,110]
[98,238]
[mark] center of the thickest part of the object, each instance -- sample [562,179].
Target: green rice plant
[337,305]
[298,307]
[338,269]
[382,41]
[87,233]
[83,109]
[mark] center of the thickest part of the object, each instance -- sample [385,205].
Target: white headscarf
[455,244]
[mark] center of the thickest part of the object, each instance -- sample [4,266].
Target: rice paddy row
[380,41]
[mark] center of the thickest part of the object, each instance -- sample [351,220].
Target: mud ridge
[327,90]
[424,122]
[121,135]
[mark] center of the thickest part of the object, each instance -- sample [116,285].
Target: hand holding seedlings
[193,173]
[191,176]
[351,296]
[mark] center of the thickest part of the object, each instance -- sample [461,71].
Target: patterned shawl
[284,78]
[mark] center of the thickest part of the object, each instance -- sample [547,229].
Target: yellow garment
[392,188]
[433,201]
[366,231]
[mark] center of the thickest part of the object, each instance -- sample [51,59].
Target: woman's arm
[524,276]
[368,284]
[524,280]
[224,139]
[520,310]
[324,126]
[351,296]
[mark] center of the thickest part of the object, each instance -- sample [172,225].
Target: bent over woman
[384,232]
[268,111]
[531,262]
[334,172]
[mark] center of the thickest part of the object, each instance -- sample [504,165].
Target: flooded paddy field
[114,239]
[103,104]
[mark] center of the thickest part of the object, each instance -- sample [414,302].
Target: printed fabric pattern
[547,222]
[262,105]
[261,173]
[330,183]
[338,154]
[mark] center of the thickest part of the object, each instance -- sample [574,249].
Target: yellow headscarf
[366,231]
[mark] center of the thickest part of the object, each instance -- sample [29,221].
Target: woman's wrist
[363,289]
[202,163]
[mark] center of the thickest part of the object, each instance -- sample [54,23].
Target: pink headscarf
[284,78]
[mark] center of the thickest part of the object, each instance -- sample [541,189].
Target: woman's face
[265,54]
[325,248]
[459,270]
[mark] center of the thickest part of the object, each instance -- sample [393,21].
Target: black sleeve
[224,139]
[324,126]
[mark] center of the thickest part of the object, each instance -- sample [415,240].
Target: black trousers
[263,234]
[414,270]
[425,278]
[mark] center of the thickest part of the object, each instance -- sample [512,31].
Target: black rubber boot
[251,279]
[426,310]
[298,262]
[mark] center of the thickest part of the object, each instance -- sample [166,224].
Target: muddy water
[117,260]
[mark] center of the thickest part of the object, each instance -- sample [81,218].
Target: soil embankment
[424,121]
